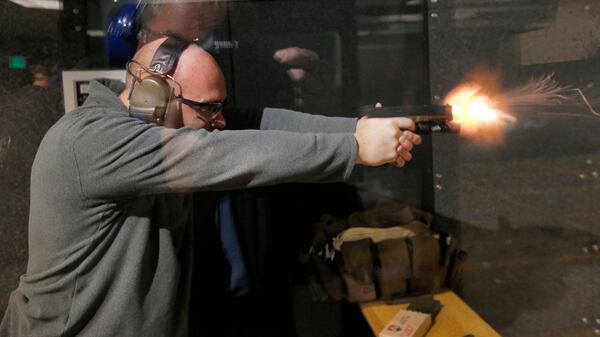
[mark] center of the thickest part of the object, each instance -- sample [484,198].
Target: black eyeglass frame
[209,110]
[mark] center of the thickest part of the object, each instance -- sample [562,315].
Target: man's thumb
[404,123]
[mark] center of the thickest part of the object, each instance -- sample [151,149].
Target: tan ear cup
[149,99]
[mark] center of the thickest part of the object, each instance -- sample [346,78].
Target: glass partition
[524,201]
[520,196]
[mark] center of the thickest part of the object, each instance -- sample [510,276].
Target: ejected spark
[483,109]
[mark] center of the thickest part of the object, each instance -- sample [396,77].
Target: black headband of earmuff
[165,59]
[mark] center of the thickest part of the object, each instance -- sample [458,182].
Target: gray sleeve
[125,157]
[289,120]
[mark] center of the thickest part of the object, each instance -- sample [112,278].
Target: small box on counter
[407,323]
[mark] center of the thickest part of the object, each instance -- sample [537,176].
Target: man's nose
[219,122]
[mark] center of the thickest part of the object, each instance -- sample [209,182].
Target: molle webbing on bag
[394,270]
[358,270]
[389,251]
[358,259]
[425,264]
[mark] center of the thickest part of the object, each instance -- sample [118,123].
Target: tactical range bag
[387,252]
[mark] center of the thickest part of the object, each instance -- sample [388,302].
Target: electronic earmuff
[124,31]
[150,95]
[120,40]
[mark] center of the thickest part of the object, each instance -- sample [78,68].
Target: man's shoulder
[82,121]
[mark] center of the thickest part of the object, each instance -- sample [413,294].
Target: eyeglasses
[206,110]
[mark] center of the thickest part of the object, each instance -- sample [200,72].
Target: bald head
[197,72]
[195,68]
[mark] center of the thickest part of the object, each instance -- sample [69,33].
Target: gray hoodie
[110,220]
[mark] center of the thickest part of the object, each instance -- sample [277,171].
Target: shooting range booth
[521,202]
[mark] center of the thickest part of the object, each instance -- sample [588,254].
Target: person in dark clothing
[111,217]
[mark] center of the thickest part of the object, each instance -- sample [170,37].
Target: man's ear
[174,116]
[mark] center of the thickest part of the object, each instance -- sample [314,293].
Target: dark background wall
[27,112]
[526,209]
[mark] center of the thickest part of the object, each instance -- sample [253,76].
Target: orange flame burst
[478,108]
